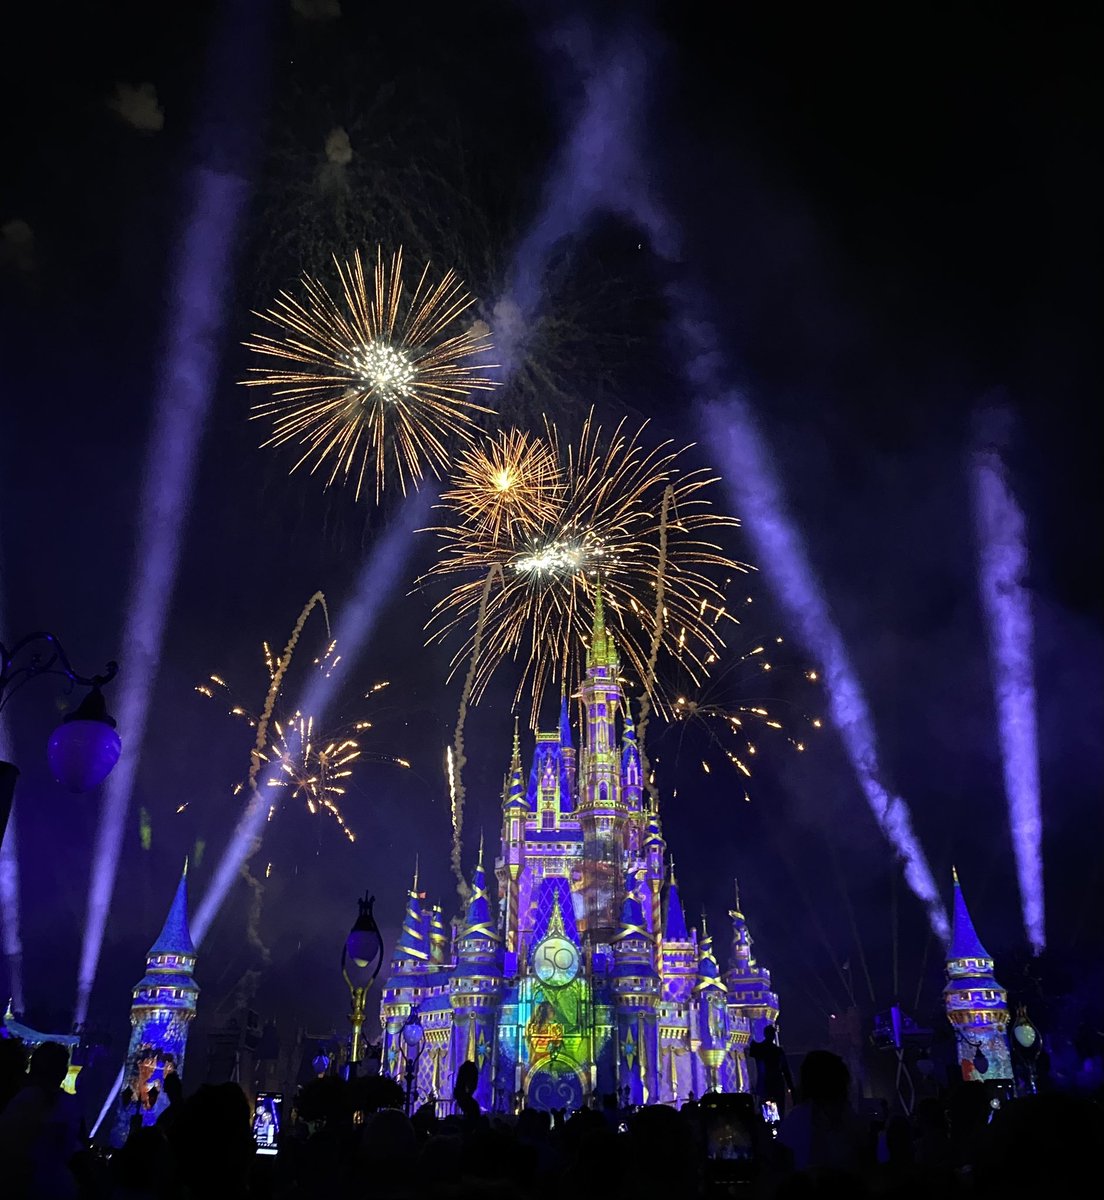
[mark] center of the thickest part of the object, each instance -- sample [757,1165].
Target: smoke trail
[253,920]
[653,655]
[352,629]
[456,764]
[1002,574]
[201,284]
[756,492]
[757,495]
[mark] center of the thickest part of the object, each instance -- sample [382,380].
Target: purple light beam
[1006,601]
[353,630]
[10,921]
[734,435]
[218,188]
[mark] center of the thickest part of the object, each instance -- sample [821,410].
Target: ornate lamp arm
[49,658]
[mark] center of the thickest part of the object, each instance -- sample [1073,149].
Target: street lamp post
[413,1036]
[84,748]
[361,959]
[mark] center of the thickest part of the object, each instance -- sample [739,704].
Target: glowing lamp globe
[364,945]
[84,748]
[413,1034]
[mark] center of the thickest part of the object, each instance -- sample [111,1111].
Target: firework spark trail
[352,629]
[458,760]
[201,284]
[755,487]
[1002,574]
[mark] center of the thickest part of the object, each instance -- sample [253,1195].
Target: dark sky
[892,215]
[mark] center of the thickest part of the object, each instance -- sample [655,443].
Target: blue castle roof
[478,921]
[965,942]
[175,936]
[555,888]
[674,928]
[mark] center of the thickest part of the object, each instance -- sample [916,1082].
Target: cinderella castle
[581,976]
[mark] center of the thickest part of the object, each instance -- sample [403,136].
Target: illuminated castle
[584,977]
[162,1007]
[977,1006]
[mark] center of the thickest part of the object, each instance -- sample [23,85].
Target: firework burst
[626,516]
[506,486]
[731,707]
[377,379]
[311,766]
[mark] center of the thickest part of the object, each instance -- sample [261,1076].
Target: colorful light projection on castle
[584,977]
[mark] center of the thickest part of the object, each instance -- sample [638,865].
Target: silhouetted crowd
[352,1140]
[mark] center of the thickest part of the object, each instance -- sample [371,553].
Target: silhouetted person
[13,1068]
[773,1080]
[41,1129]
[212,1141]
[463,1092]
[823,1130]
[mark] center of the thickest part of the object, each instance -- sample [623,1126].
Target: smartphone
[267,1114]
[730,1143]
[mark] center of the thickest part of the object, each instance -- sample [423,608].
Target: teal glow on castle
[162,1007]
[580,975]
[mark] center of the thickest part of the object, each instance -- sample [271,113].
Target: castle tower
[636,988]
[977,1006]
[680,951]
[601,811]
[708,1015]
[567,750]
[409,963]
[162,1007]
[515,811]
[438,937]
[750,994]
[475,987]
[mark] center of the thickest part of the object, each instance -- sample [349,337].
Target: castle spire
[709,973]
[565,725]
[175,936]
[477,920]
[965,942]
[601,652]
[674,927]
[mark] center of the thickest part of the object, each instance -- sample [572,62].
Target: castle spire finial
[479,860]
[414,888]
[954,875]
[515,760]
[736,885]
[674,881]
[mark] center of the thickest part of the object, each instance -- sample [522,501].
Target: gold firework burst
[378,379]
[506,485]
[627,516]
[310,766]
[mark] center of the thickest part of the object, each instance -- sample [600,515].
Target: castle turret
[162,1007]
[515,810]
[977,1006]
[410,962]
[636,989]
[567,751]
[438,937]
[632,773]
[680,950]
[476,985]
[710,998]
[750,995]
[601,810]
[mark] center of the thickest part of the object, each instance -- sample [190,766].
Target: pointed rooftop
[965,942]
[565,726]
[514,795]
[175,936]
[632,914]
[602,651]
[674,926]
[478,921]
[709,973]
[412,938]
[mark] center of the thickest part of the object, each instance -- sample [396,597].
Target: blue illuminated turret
[162,1008]
[976,1004]
[632,776]
[412,949]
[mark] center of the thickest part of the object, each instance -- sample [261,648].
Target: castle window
[603,792]
[546,819]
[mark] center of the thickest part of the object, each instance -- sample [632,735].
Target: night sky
[894,219]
